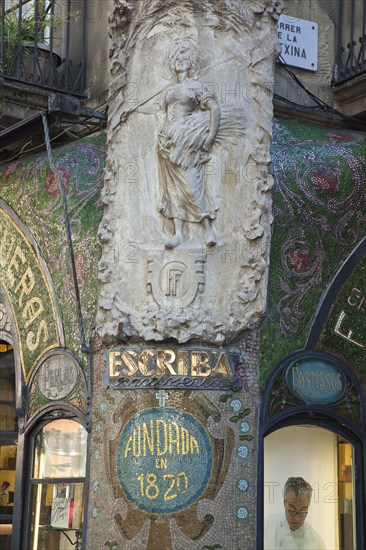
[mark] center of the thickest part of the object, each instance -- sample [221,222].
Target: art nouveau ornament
[185,232]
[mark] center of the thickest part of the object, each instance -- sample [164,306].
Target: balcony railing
[43,43]
[352,41]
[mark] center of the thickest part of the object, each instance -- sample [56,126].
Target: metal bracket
[71,106]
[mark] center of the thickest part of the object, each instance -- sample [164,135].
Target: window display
[57,487]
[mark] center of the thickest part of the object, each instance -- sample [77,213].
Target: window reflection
[7,392]
[57,486]
[60,450]
[345,491]
[8,443]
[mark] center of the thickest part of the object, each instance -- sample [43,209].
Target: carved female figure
[192,119]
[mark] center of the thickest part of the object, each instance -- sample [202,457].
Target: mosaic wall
[174,468]
[32,191]
[344,331]
[319,205]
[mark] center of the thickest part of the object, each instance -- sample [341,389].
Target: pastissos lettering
[159,438]
[315,380]
[19,277]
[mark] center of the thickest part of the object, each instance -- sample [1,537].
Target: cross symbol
[162,396]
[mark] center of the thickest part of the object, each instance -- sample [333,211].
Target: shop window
[326,461]
[7,389]
[57,485]
[8,443]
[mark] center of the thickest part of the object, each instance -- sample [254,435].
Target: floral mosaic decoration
[319,217]
[31,189]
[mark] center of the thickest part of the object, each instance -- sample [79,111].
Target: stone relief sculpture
[192,118]
[187,216]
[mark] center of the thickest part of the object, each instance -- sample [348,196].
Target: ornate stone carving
[184,146]
[58,377]
[187,168]
[174,280]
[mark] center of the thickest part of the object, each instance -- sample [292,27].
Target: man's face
[293,504]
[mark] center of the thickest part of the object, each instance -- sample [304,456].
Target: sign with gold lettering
[316,381]
[158,368]
[164,460]
[24,282]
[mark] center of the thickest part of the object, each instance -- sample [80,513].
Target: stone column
[185,246]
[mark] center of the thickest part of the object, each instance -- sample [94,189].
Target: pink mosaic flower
[346,138]
[324,182]
[11,169]
[300,259]
[52,185]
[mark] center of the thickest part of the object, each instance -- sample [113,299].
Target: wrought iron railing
[43,43]
[351,60]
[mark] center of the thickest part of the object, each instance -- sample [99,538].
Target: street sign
[299,42]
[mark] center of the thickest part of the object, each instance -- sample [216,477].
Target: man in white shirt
[289,531]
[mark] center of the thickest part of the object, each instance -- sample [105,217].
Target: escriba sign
[299,42]
[161,368]
[25,285]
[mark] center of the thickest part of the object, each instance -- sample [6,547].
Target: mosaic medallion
[164,460]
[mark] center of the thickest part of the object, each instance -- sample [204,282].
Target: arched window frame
[317,415]
[49,413]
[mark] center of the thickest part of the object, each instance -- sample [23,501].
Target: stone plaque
[57,376]
[164,460]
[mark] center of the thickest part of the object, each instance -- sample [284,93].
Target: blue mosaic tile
[244,427]
[236,405]
[242,512]
[242,485]
[243,451]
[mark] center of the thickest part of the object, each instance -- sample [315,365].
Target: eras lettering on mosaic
[23,281]
[19,276]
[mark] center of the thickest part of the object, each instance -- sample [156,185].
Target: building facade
[181,265]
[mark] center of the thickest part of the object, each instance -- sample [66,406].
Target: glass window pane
[7,392]
[7,483]
[60,450]
[56,515]
[7,478]
[346,493]
[8,448]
